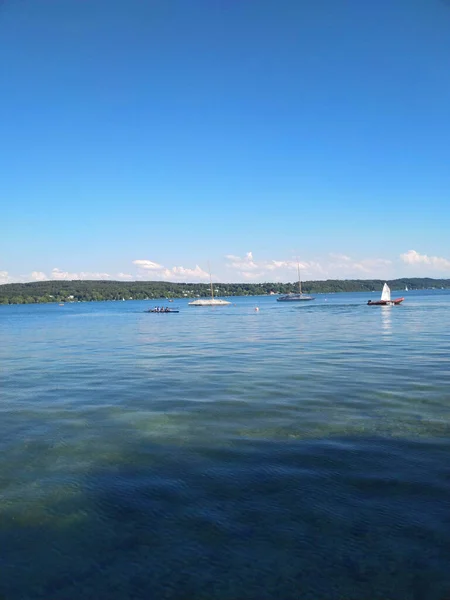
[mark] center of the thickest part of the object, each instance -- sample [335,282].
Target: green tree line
[91,291]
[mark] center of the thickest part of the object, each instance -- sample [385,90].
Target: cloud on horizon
[413,258]
[161,273]
[65,275]
[249,268]
[5,278]
[59,275]
[334,266]
[245,264]
[38,276]
[147,264]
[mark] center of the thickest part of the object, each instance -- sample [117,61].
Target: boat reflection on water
[386,321]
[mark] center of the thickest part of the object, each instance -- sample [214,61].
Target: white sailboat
[209,301]
[386,293]
[385,299]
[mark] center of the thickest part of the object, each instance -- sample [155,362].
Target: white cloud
[333,266]
[160,272]
[246,263]
[183,273]
[5,278]
[413,258]
[340,256]
[147,264]
[60,275]
[248,267]
[341,265]
[38,276]
[272,265]
[65,275]
[251,274]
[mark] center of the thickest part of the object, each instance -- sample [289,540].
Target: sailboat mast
[299,281]
[210,282]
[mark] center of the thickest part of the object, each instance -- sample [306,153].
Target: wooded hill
[88,291]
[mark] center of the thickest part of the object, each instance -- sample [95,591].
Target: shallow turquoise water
[298,452]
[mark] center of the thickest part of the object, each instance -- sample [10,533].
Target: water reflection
[386,320]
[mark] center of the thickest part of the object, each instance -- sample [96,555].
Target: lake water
[299,452]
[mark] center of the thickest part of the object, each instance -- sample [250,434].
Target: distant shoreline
[44,292]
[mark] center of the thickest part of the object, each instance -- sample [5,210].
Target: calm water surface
[298,452]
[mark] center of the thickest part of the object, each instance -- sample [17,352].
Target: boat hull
[385,302]
[212,302]
[295,298]
[162,312]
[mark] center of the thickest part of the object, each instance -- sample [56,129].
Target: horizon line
[215,283]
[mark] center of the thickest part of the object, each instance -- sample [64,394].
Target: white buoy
[257,309]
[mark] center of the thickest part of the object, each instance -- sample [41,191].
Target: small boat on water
[300,297]
[209,301]
[385,299]
[295,298]
[162,310]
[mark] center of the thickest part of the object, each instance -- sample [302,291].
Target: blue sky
[142,139]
